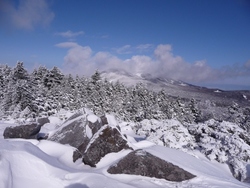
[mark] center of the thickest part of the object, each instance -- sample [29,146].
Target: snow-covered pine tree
[96,77]
[164,108]
[53,78]
[20,91]
[4,80]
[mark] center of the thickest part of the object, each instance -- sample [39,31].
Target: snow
[88,132]
[182,84]
[217,91]
[209,173]
[138,74]
[244,96]
[111,120]
[32,163]
[218,141]
[92,118]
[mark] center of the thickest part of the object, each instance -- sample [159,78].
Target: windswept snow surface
[32,163]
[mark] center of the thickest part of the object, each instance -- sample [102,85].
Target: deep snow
[32,163]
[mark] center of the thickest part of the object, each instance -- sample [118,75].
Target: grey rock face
[76,155]
[74,133]
[74,116]
[94,126]
[23,131]
[104,120]
[43,120]
[142,163]
[106,141]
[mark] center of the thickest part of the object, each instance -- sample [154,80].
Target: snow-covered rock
[28,131]
[142,163]
[72,132]
[105,141]
[25,163]
[224,142]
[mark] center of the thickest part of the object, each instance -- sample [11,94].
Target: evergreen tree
[38,75]
[96,77]
[3,81]
[53,78]
[19,72]
[20,91]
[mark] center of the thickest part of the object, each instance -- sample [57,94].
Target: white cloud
[144,47]
[78,57]
[67,45]
[27,14]
[126,49]
[81,60]
[70,34]
[139,64]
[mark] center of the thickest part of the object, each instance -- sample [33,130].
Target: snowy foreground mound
[44,163]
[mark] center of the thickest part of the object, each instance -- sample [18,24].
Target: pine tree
[4,80]
[96,77]
[20,93]
[53,78]
[19,72]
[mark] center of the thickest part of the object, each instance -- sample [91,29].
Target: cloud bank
[82,60]
[25,14]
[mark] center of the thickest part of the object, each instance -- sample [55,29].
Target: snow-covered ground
[32,163]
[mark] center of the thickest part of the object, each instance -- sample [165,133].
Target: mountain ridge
[176,88]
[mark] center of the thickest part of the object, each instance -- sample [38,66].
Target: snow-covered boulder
[78,129]
[142,163]
[106,140]
[72,131]
[28,131]
[94,123]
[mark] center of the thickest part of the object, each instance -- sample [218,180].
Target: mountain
[177,88]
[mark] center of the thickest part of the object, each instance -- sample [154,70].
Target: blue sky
[205,42]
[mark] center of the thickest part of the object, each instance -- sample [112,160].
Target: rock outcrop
[106,140]
[42,120]
[77,130]
[142,163]
[28,131]
[72,132]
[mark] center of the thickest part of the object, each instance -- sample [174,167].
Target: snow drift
[29,163]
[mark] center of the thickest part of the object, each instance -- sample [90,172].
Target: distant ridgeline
[44,92]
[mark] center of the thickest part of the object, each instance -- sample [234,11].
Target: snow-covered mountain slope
[29,163]
[177,88]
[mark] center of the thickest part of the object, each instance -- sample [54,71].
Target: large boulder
[94,123]
[77,130]
[28,131]
[72,132]
[106,140]
[42,120]
[142,163]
